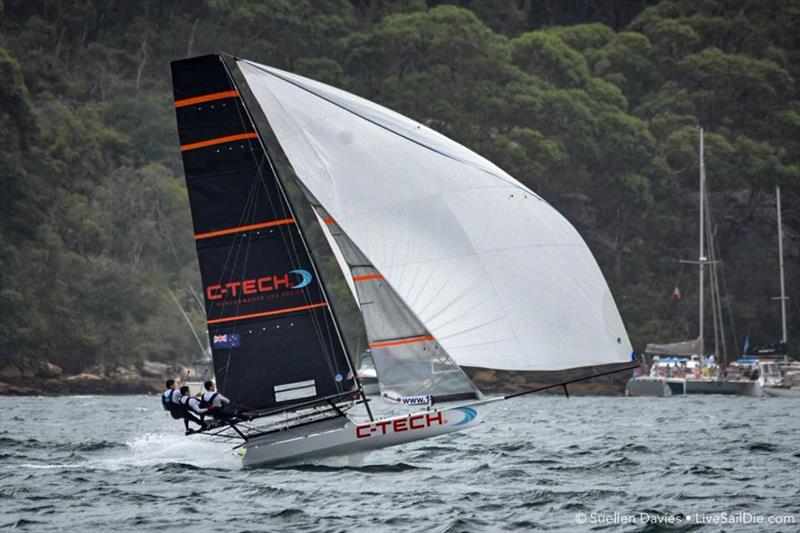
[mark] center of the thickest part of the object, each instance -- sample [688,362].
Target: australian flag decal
[230,340]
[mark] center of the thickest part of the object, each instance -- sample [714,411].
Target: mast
[784,336]
[702,258]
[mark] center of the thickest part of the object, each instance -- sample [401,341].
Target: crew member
[213,400]
[191,405]
[171,400]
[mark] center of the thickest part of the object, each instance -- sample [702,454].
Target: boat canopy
[683,348]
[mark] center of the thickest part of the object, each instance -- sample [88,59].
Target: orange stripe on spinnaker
[219,140]
[365,277]
[238,229]
[268,313]
[329,220]
[206,98]
[401,341]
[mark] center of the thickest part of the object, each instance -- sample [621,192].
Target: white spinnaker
[496,274]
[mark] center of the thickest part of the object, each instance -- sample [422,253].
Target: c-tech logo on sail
[294,279]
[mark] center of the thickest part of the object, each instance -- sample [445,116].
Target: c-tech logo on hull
[294,279]
[398,425]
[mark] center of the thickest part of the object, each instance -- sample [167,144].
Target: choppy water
[77,463]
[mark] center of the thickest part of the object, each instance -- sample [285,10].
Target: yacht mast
[784,337]
[702,258]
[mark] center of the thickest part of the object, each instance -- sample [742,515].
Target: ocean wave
[762,447]
[612,464]
[518,476]
[373,468]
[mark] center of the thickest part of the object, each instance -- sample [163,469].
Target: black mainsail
[274,339]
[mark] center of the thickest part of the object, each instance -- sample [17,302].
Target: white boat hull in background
[345,436]
[711,386]
[655,386]
[781,392]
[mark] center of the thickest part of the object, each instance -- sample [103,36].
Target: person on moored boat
[171,400]
[190,408]
[213,401]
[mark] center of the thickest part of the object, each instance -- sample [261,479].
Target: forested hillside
[595,105]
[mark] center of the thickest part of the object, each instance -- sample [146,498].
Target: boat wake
[153,449]
[148,450]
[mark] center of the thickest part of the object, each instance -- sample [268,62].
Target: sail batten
[382,343]
[492,271]
[211,97]
[237,318]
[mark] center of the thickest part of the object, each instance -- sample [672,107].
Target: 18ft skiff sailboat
[453,263]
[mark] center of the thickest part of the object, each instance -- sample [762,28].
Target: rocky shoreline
[35,378]
[510,382]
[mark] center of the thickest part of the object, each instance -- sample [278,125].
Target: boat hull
[781,392]
[345,436]
[655,386]
[736,388]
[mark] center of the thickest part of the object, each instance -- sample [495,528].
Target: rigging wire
[716,268]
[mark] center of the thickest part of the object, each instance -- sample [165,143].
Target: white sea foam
[48,466]
[158,448]
[152,449]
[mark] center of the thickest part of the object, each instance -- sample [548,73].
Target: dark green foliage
[595,105]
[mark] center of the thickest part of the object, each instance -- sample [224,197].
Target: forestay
[495,274]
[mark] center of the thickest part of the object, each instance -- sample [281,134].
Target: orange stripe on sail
[206,98]
[268,313]
[365,277]
[329,220]
[238,229]
[401,341]
[219,140]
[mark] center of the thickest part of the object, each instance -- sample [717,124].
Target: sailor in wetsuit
[215,402]
[171,400]
[191,405]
